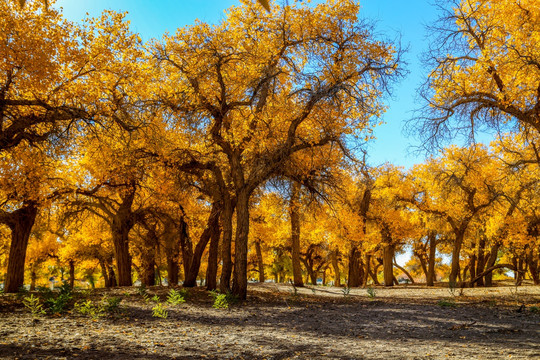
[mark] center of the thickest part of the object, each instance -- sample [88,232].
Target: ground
[406,322]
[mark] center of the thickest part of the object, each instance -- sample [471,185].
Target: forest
[226,154]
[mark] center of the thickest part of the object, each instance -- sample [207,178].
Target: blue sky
[394,17]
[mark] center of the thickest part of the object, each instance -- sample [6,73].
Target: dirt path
[401,323]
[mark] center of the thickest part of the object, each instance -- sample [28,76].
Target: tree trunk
[72,274]
[403,270]
[456,251]
[212,227]
[226,253]
[472,268]
[481,260]
[354,279]
[213,254]
[112,276]
[185,246]
[368,270]
[335,266]
[295,234]
[122,256]
[430,278]
[494,253]
[241,245]
[260,261]
[533,266]
[104,273]
[33,278]
[388,269]
[20,222]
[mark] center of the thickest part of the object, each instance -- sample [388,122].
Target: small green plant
[58,304]
[346,291]
[534,309]
[175,297]
[371,293]
[112,304]
[34,305]
[446,303]
[159,311]
[88,308]
[155,298]
[223,301]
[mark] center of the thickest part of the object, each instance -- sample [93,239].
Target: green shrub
[175,297]
[34,305]
[88,308]
[159,311]
[112,304]
[223,301]
[371,293]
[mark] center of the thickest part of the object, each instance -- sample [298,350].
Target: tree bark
[430,278]
[20,223]
[72,274]
[226,253]
[388,269]
[260,262]
[403,270]
[481,260]
[335,266]
[241,244]
[456,251]
[33,278]
[185,246]
[213,254]
[295,234]
[212,227]
[354,279]
[494,253]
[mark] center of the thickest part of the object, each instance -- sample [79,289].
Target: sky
[394,19]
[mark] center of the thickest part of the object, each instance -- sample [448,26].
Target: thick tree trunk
[260,262]
[490,263]
[104,273]
[122,256]
[533,266]
[226,253]
[335,266]
[33,278]
[212,227]
[172,270]
[368,270]
[20,223]
[185,246]
[430,278]
[213,254]
[71,274]
[481,260]
[241,245]
[295,234]
[354,279]
[456,251]
[112,276]
[388,268]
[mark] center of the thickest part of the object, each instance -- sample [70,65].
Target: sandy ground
[406,322]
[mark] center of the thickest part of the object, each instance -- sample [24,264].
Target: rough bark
[388,269]
[354,279]
[226,245]
[456,251]
[104,273]
[241,244]
[430,277]
[212,227]
[335,266]
[295,234]
[71,274]
[494,252]
[260,262]
[20,223]
[213,254]
[185,246]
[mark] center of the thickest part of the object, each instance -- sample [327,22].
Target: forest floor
[405,322]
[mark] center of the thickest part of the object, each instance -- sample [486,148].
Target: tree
[263,88]
[486,69]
